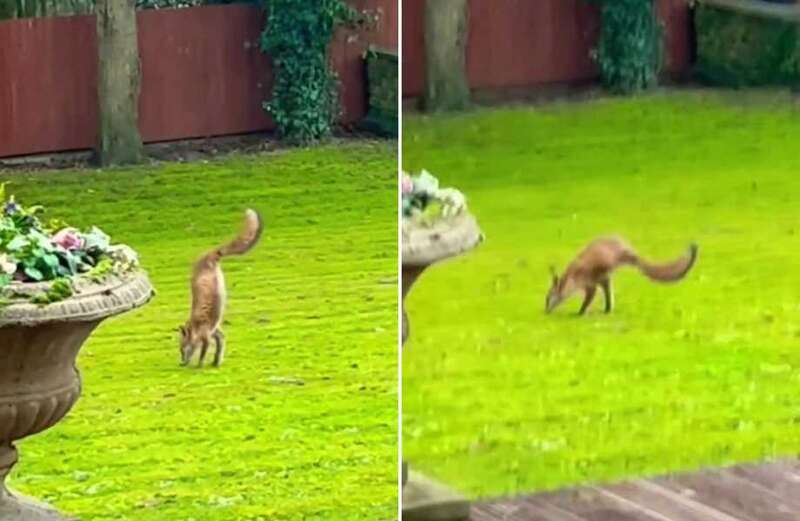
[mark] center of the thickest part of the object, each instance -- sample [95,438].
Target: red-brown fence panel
[202,75]
[524,43]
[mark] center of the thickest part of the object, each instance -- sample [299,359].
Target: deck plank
[667,503]
[782,478]
[594,504]
[530,509]
[733,495]
[767,492]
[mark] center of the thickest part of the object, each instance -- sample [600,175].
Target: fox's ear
[554,274]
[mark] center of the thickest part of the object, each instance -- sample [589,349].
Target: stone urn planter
[423,246]
[39,381]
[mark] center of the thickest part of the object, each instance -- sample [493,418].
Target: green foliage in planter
[32,250]
[630,49]
[382,77]
[59,290]
[305,102]
[104,268]
[736,49]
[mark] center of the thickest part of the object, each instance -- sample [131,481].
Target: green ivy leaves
[60,289]
[630,50]
[305,100]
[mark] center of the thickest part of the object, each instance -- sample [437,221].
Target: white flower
[7,265]
[453,201]
[123,256]
[426,183]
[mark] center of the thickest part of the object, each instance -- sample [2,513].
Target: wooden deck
[769,492]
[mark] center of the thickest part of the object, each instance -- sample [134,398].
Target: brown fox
[593,267]
[208,295]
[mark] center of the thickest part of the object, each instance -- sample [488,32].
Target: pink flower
[407,185]
[69,239]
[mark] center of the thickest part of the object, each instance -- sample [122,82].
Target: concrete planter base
[423,498]
[39,382]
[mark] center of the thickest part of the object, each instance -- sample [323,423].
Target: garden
[175,120]
[301,420]
[501,399]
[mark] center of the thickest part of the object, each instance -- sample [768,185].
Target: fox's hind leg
[608,292]
[587,300]
[219,354]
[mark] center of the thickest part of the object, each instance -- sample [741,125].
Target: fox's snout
[551,302]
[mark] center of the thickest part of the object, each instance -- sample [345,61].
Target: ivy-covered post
[630,51]
[305,91]
[446,26]
[118,83]
[8,9]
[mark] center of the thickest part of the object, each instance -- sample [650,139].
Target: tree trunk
[118,83]
[446,23]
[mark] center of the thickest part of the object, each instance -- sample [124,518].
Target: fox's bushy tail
[247,238]
[667,272]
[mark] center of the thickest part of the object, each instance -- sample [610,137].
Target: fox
[209,295]
[593,266]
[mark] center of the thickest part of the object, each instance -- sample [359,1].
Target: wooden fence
[202,75]
[525,43]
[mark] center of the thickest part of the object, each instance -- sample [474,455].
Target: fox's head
[559,291]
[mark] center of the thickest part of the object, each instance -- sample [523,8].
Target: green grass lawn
[499,398]
[315,301]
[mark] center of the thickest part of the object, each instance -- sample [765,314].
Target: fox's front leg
[219,354]
[203,350]
[608,292]
[587,300]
